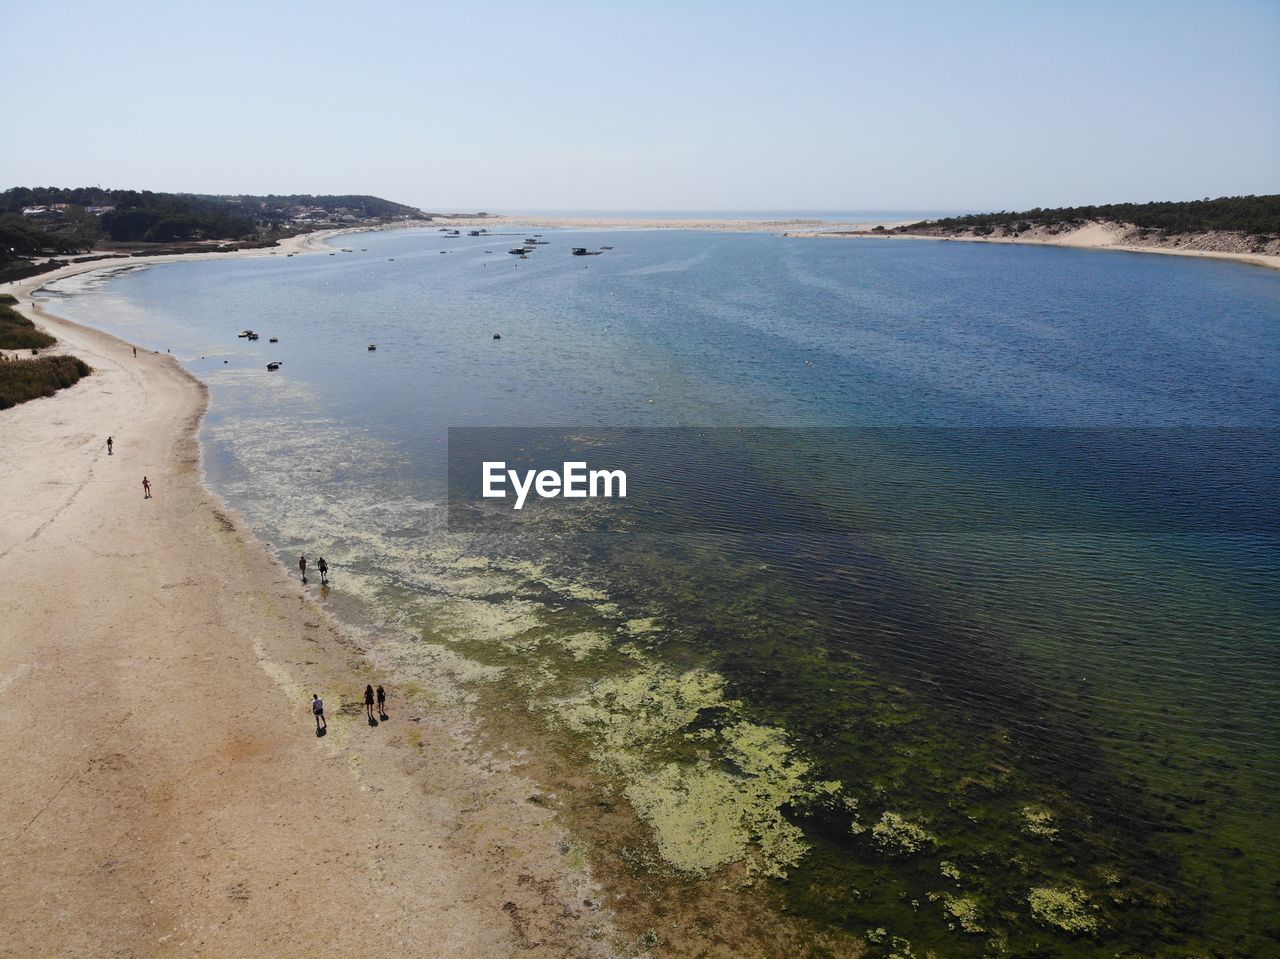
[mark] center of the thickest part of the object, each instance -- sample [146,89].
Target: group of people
[320,565]
[370,697]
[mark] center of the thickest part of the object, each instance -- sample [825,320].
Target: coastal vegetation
[1257,216]
[16,331]
[22,380]
[53,221]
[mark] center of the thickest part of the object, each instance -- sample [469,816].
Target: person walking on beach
[302,567]
[317,710]
[368,705]
[135,352]
[146,488]
[324,571]
[108,445]
[382,703]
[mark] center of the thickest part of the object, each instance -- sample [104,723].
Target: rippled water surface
[958,624]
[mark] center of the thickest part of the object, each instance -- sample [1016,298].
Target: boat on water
[520,250]
[273,366]
[274,339]
[372,347]
[583,251]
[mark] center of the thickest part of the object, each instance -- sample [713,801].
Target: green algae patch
[965,912]
[583,645]
[1066,908]
[1039,821]
[712,787]
[899,836]
[692,812]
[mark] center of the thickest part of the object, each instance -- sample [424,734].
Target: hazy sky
[648,105]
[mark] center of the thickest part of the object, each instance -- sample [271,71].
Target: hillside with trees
[1255,216]
[54,221]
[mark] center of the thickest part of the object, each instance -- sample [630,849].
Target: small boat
[244,334]
[372,347]
[519,251]
[497,336]
[583,251]
[272,367]
[606,248]
[274,339]
[252,337]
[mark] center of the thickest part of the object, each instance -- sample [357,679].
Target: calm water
[976,648]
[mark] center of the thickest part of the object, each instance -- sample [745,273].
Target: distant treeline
[18,239]
[144,216]
[1255,215]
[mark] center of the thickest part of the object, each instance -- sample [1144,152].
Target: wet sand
[165,792]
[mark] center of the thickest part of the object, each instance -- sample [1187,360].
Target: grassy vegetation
[22,380]
[17,332]
[1254,215]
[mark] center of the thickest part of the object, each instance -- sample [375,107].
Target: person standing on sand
[324,571]
[368,704]
[302,567]
[108,445]
[317,710]
[382,703]
[146,488]
[135,352]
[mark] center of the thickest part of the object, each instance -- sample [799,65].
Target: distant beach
[1091,236]
[605,222]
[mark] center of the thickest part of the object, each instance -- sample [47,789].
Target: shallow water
[967,641]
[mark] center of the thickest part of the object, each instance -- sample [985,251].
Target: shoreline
[703,224]
[1090,237]
[186,805]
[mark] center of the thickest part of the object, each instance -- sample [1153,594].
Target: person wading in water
[324,571]
[302,567]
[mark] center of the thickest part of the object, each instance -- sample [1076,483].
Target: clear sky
[645,104]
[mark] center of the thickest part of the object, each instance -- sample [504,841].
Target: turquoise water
[977,651]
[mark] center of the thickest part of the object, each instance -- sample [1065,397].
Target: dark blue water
[1013,589]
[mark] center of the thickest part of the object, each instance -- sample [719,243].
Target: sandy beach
[166,792]
[1091,236]
[497,222]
